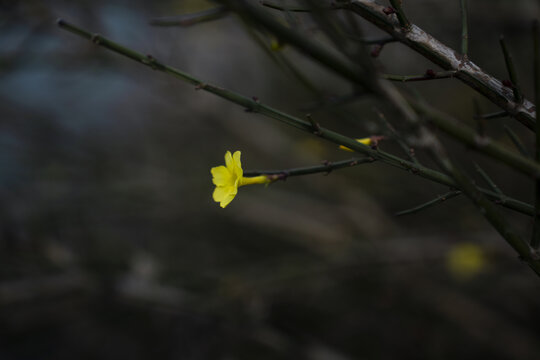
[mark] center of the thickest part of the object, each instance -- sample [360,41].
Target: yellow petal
[224,194]
[237,165]
[341,147]
[221,176]
[229,161]
[226,201]
[365,141]
[221,192]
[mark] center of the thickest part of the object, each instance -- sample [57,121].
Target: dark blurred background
[111,246]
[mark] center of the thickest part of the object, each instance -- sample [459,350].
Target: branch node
[329,165]
[150,61]
[389,10]
[315,127]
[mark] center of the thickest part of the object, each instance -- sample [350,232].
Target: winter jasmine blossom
[230,177]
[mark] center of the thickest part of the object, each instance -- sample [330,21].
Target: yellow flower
[366,141]
[230,177]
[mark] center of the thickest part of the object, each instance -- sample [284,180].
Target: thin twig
[495,115]
[324,168]
[295,8]
[464,29]
[429,75]
[191,19]
[511,71]
[377,41]
[439,199]
[403,21]
[488,180]
[393,133]
[517,141]
[480,123]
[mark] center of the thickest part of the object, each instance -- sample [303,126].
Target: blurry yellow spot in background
[466,260]
[276,44]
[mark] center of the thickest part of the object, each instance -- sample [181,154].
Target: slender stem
[517,141]
[511,70]
[324,168]
[488,180]
[439,199]
[293,8]
[464,29]
[379,41]
[535,240]
[403,21]
[191,19]
[393,133]
[427,76]
[256,106]
[495,115]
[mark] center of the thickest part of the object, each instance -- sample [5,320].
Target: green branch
[488,180]
[429,75]
[439,199]
[256,106]
[516,141]
[294,8]
[395,136]
[511,71]
[191,19]
[327,167]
